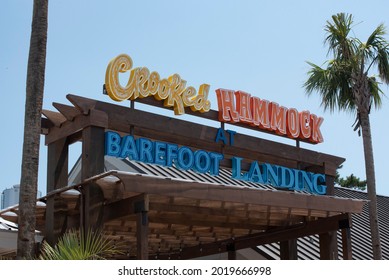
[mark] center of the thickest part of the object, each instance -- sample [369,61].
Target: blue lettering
[129,148]
[202,161]
[220,136]
[236,169]
[270,174]
[185,158]
[318,183]
[215,163]
[145,147]
[307,181]
[231,133]
[255,173]
[160,153]
[287,177]
[171,154]
[112,143]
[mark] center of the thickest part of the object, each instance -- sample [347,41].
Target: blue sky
[260,47]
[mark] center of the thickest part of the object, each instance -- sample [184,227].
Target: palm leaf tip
[77,245]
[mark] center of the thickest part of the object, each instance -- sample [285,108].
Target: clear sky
[260,47]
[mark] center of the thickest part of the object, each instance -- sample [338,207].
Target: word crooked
[142,84]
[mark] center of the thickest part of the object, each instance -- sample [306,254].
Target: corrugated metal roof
[7,225]
[308,247]
[224,177]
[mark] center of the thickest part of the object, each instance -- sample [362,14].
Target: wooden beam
[196,190]
[57,177]
[69,128]
[92,164]
[84,105]
[121,208]
[56,118]
[68,112]
[199,136]
[142,228]
[231,251]
[288,249]
[346,244]
[320,226]
[328,245]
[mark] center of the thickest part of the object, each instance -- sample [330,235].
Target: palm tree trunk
[371,188]
[32,127]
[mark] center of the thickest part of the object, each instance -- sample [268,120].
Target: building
[173,189]
[10,196]
[308,248]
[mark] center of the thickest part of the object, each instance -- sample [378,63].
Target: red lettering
[305,125]
[225,101]
[278,118]
[243,106]
[293,123]
[316,135]
[260,112]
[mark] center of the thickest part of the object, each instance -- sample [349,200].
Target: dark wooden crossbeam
[293,232]
[172,130]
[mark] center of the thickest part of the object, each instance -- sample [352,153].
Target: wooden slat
[68,112]
[199,136]
[321,226]
[95,118]
[84,105]
[56,118]
[195,190]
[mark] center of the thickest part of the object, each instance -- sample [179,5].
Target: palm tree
[75,245]
[32,126]
[346,84]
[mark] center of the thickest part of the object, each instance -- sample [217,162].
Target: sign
[184,158]
[241,107]
[234,106]
[161,153]
[142,83]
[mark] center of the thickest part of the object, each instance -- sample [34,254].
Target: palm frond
[332,84]
[376,93]
[339,83]
[337,38]
[77,245]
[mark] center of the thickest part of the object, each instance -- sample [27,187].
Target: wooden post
[231,251]
[57,177]
[346,244]
[328,241]
[328,246]
[330,183]
[92,164]
[288,249]
[142,228]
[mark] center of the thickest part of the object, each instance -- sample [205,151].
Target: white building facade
[10,196]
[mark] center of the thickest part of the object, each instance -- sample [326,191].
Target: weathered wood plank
[195,135]
[293,232]
[56,118]
[92,164]
[83,104]
[68,112]
[68,129]
[57,177]
[142,228]
[196,190]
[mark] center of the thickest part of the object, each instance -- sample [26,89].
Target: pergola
[161,217]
